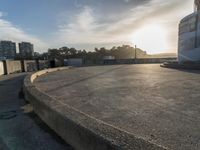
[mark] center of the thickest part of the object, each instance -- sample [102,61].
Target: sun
[151,38]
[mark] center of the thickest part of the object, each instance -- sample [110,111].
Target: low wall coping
[80,130]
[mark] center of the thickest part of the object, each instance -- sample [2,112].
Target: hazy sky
[151,24]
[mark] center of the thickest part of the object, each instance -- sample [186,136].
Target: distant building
[7,49]
[36,54]
[26,50]
[108,57]
[189,37]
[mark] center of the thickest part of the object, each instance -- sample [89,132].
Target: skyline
[87,24]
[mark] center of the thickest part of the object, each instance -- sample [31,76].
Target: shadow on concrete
[3,146]
[13,109]
[188,70]
[85,79]
[9,79]
[48,130]
[8,115]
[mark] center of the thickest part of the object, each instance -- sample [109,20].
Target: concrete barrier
[176,65]
[1,68]
[29,65]
[43,64]
[80,130]
[12,66]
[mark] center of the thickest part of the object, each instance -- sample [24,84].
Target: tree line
[120,52]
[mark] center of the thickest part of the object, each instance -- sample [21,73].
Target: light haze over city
[150,24]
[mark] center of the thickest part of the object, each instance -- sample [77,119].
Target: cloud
[85,28]
[82,29]
[90,27]
[89,22]
[154,11]
[8,31]
[127,1]
[1,14]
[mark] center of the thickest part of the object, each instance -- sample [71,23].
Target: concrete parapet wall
[43,64]
[176,65]
[29,65]
[34,65]
[138,61]
[1,68]
[12,66]
[82,131]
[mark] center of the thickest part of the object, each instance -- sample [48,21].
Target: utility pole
[197,8]
[135,53]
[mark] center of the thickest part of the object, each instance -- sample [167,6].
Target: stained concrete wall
[189,38]
[75,62]
[29,66]
[34,65]
[139,61]
[43,64]
[1,68]
[12,66]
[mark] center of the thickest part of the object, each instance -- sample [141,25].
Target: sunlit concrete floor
[158,104]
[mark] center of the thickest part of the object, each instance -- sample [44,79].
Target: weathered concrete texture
[20,128]
[29,66]
[43,64]
[82,131]
[1,68]
[12,66]
[157,104]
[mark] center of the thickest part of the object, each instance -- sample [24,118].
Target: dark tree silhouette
[120,52]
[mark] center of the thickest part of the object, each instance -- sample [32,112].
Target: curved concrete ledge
[181,66]
[80,130]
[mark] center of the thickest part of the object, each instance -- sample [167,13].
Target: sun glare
[152,39]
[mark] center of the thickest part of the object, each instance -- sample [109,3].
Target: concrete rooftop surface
[157,104]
